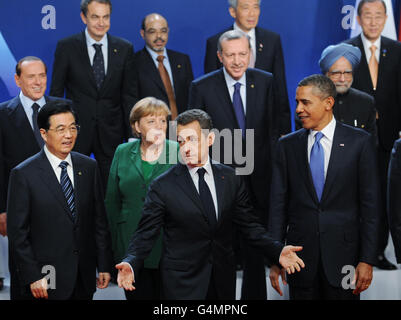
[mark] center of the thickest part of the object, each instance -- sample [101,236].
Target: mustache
[159,39]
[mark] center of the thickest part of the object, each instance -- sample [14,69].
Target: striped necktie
[67,188]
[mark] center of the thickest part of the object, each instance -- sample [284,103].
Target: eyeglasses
[61,131]
[338,74]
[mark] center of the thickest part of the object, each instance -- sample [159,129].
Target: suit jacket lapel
[186,184]
[304,167]
[259,46]
[85,60]
[364,66]
[135,156]
[251,104]
[219,184]
[153,71]
[384,67]
[337,153]
[19,118]
[78,186]
[221,92]
[50,179]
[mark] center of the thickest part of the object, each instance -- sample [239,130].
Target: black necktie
[36,132]
[98,65]
[239,108]
[206,198]
[67,188]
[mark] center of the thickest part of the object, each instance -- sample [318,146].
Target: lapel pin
[115,50]
[342,145]
[384,52]
[79,173]
[252,86]
[222,177]
[179,66]
[362,126]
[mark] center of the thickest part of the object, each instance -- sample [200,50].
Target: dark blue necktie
[317,165]
[98,65]
[67,188]
[206,198]
[36,132]
[239,108]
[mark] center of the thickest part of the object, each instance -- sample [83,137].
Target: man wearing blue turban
[352,107]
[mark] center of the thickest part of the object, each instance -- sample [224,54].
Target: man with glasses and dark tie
[96,71]
[57,223]
[325,197]
[19,134]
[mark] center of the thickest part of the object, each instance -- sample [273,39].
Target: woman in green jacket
[135,165]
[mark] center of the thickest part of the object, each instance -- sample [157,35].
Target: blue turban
[332,53]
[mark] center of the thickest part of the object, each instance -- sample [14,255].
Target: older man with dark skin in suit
[266,54]
[379,74]
[160,72]
[19,135]
[56,217]
[325,195]
[197,259]
[96,71]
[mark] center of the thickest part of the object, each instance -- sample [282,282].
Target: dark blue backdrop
[306,28]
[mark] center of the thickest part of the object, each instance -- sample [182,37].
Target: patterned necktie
[98,65]
[317,165]
[373,66]
[36,132]
[206,198]
[67,188]
[168,86]
[239,108]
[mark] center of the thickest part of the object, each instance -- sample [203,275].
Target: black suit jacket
[192,250]
[149,82]
[341,229]
[41,231]
[211,94]
[394,199]
[269,57]
[17,141]
[102,112]
[387,94]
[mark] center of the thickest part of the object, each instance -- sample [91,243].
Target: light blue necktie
[317,165]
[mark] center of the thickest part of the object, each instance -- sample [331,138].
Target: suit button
[340,102]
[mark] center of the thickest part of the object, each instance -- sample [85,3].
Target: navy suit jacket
[41,231]
[105,111]
[149,82]
[270,58]
[211,94]
[192,249]
[341,229]
[17,141]
[387,94]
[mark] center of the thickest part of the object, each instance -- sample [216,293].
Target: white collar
[328,131]
[231,82]
[90,41]
[367,43]
[207,167]
[54,160]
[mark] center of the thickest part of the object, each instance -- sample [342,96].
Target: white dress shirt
[27,105]
[230,82]
[91,50]
[209,179]
[55,162]
[252,35]
[366,46]
[166,62]
[326,141]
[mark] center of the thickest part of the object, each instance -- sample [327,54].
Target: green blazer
[126,192]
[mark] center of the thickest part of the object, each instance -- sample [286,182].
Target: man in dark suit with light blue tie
[19,135]
[57,224]
[325,196]
[197,261]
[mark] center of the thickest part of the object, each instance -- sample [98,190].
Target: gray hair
[86,3]
[234,3]
[232,35]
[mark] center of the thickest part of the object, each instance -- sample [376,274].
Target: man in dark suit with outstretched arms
[325,196]
[57,224]
[197,204]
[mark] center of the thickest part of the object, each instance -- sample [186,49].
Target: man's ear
[233,12]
